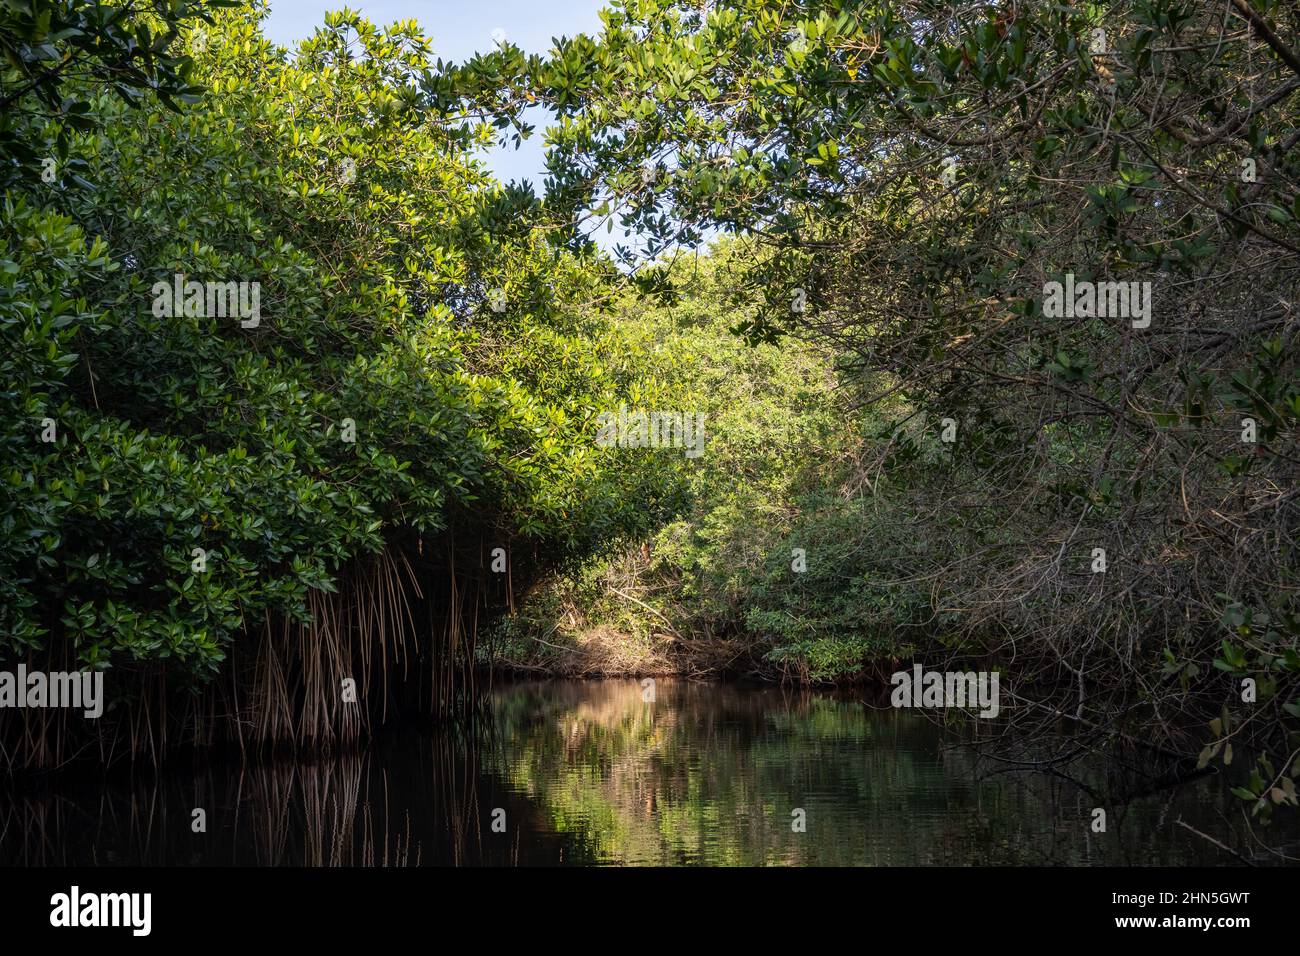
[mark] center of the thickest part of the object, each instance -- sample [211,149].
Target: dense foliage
[378,393]
[715,590]
[928,447]
[1105,495]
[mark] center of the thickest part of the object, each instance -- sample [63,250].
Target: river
[608,773]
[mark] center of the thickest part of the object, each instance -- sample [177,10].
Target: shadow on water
[592,773]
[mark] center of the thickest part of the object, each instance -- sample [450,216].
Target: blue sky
[460,28]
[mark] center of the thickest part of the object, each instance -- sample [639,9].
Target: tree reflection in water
[589,772]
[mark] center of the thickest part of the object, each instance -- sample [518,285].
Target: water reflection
[592,773]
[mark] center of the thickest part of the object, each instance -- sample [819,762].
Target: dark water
[590,773]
